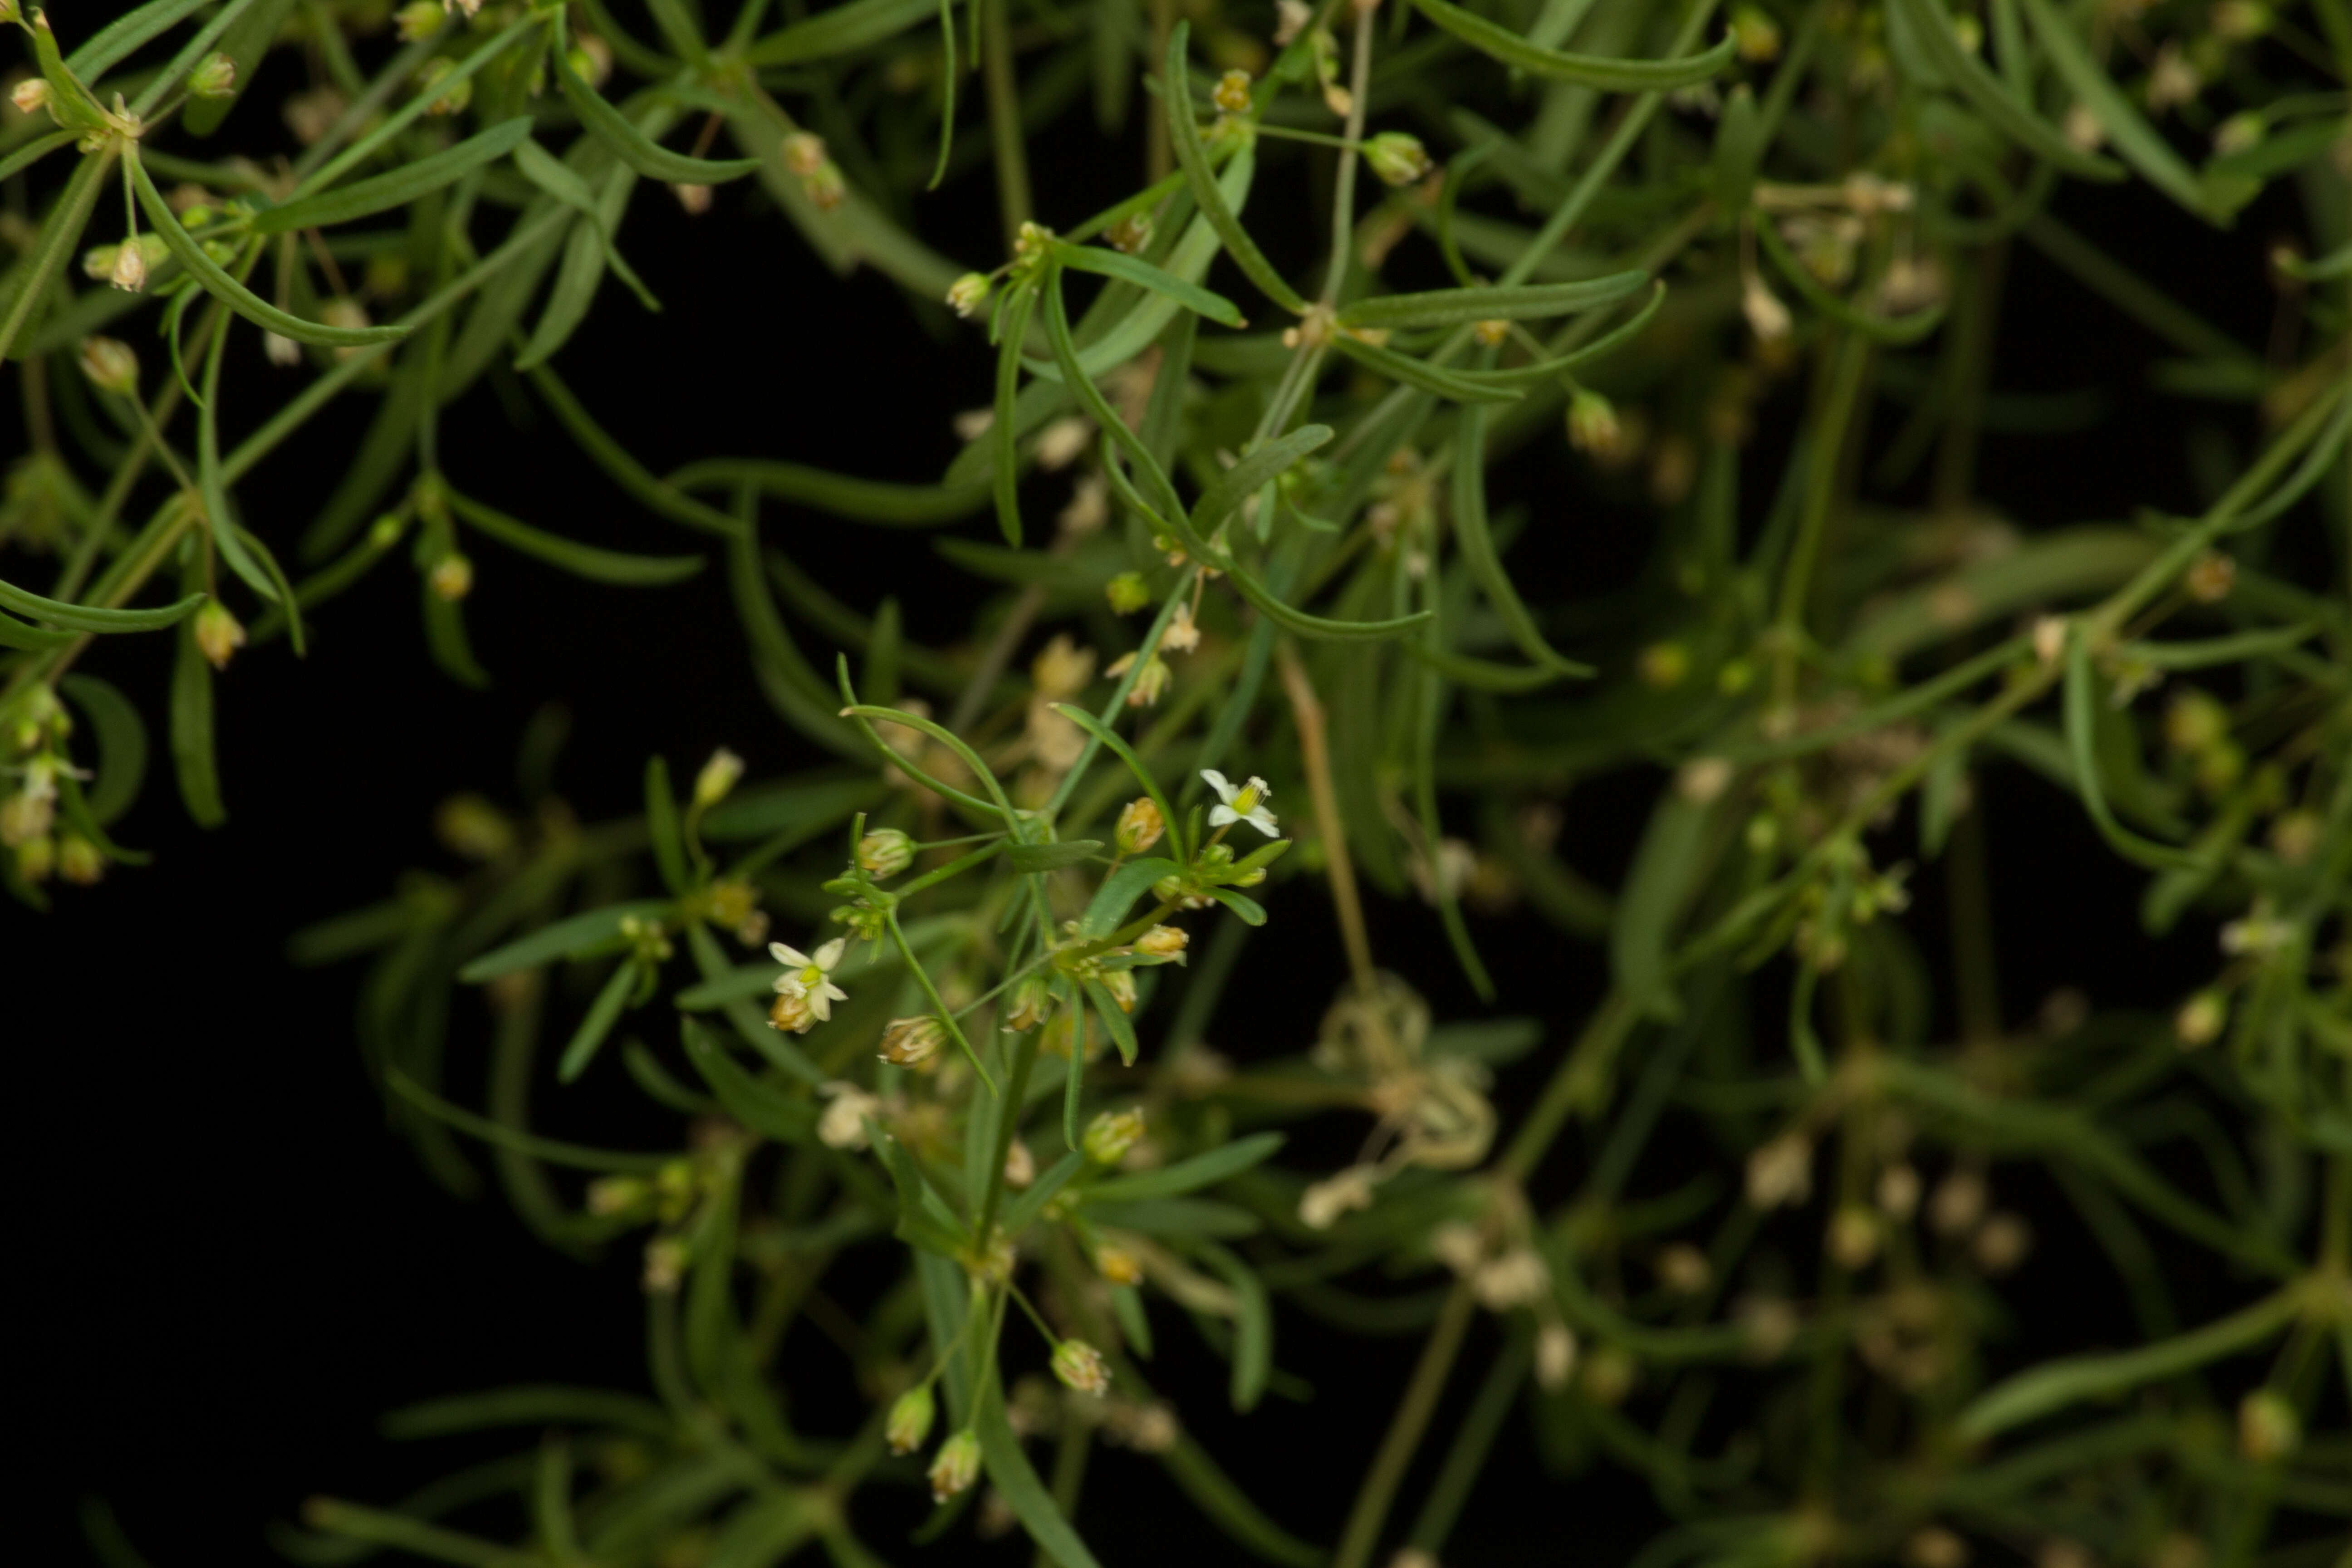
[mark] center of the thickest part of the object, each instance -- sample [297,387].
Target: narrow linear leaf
[121,744]
[1252,1325]
[572,937]
[1115,1020]
[1027,857]
[632,146]
[1452,306]
[192,732]
[603,1014]
[662,825]
[1475,543]
[2135,141]
[1193,157]
[113,43]
[398,187]
[2014,119]
[1544,370]
[2079,704]
[1190,1176]
[1898,330]
[1143,275]
[841,30]
[1421,376]
[579,1156]
[1015,1479]
[236,295]
[766,1110]
[581,560]
[1255,471]
[1584,70]
[16,633]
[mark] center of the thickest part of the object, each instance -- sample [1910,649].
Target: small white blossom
[1247,804]
[843,1125]
[809,977]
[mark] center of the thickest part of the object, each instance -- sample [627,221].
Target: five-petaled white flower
[810,975]
[1246,803]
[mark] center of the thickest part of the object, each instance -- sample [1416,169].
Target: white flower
[843,1125]
[810,976]
[1247,804]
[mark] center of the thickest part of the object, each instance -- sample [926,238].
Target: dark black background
[225,1268]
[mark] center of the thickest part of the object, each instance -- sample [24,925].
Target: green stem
[1405,1429]
[1004,134]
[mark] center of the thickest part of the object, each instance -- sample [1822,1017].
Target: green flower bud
[1397,157]
[911,1420]
[1128,592]
[1110,1135]
[968,293]
[956,1467]
[718,776]
[884,852]
[110,365]
[214,77]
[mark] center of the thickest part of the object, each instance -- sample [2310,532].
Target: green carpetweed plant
[1268,627]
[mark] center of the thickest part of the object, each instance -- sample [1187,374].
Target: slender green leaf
[60,233]
[1453,307]
[530,1405]
[1476,542]
[1184,135]
[114,43]
[1010,1472]
[632,146]
[581,560]
[192,731]
[1255,471]
[1421,375]
[1252,1325]
[2081,708]
[398,187]
[2135,141]
[16,633]
[1116,1022]
[236,295]
[1051,856]
[121,744]
[662,825]
[839,30]
[2002,111]
[1190,1176]
[572,937]
[766,1111]
[1898,330]
[554,1150]
[1143,275]
[603,1014]
[1583,70]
